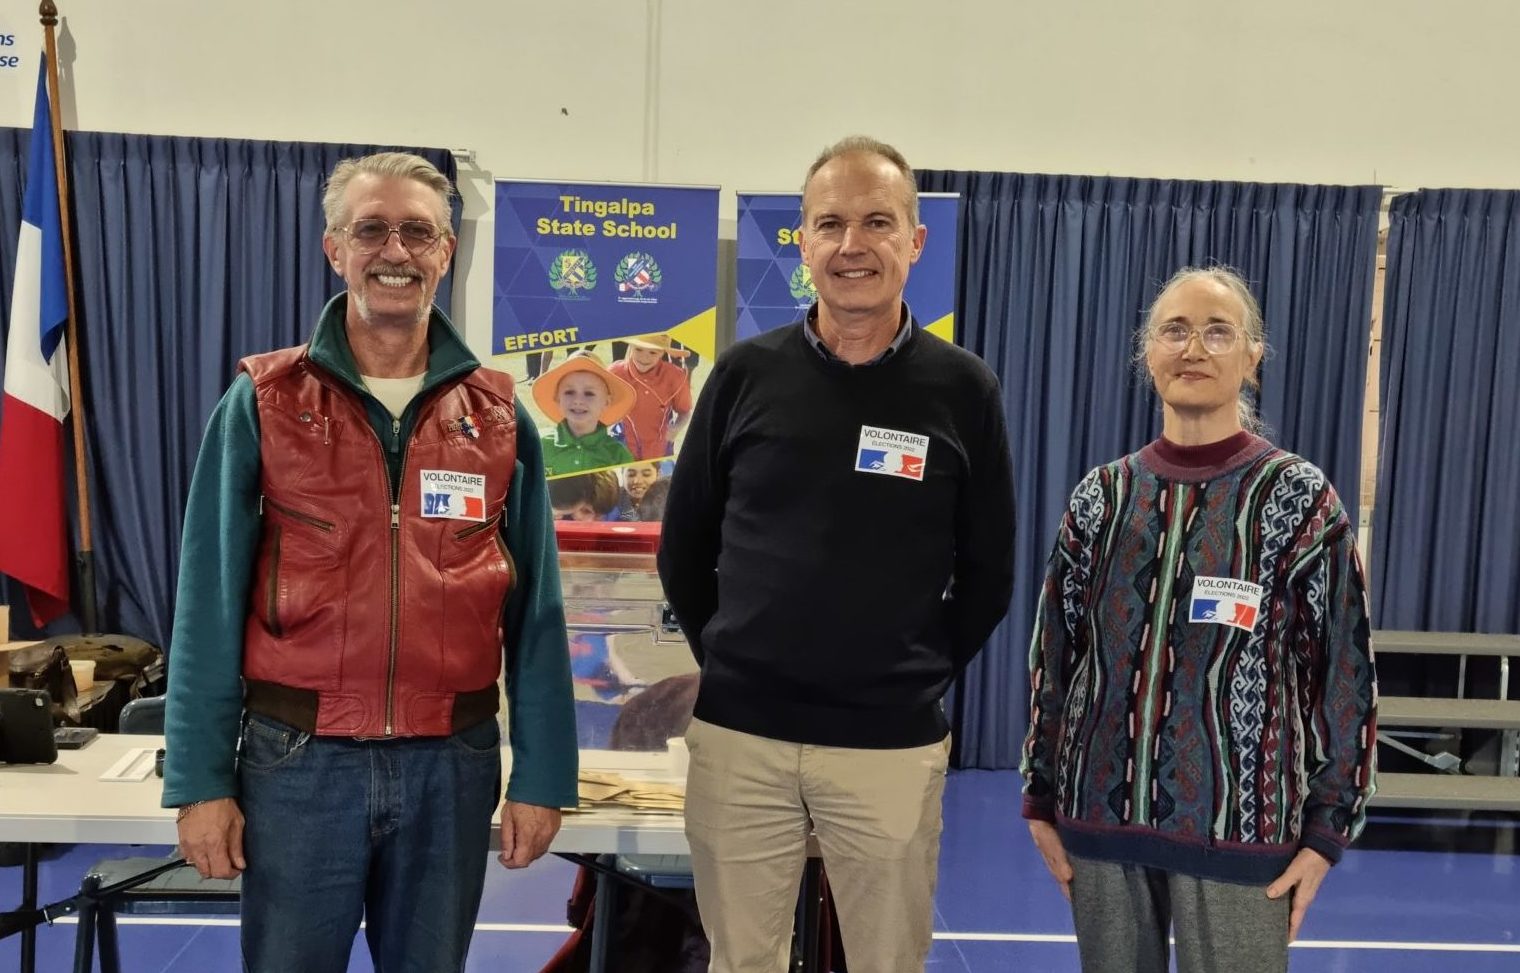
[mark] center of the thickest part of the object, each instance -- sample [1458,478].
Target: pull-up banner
[605,312]
[775,287]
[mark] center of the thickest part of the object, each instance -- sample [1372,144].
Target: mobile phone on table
[74,737]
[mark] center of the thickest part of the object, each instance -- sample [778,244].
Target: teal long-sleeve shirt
[221,534]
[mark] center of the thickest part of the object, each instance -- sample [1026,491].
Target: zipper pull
[395,432]
[261,505]
[325,440]
[395,516]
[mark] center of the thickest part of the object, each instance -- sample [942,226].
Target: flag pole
[48,11]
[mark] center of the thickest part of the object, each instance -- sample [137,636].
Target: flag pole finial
[48,11]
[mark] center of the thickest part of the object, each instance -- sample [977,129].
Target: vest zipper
[395,640]
[395,495]
[390,672]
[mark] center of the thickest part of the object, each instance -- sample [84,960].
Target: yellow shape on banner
[699,333]
[943,328]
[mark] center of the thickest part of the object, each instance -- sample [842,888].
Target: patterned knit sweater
[1181,719]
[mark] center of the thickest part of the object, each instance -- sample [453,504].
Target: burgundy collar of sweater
[1194,464]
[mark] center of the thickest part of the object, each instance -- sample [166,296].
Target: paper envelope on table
[600,787]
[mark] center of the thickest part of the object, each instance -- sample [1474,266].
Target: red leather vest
[384,613]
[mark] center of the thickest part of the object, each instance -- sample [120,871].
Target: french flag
[33,520]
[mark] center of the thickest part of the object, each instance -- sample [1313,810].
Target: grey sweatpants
[1123,914]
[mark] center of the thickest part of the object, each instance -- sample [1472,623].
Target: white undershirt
[394,393]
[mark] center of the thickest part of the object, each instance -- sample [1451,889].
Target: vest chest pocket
[298,579]
[478,575]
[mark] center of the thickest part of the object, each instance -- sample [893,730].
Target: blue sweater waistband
[1232,862]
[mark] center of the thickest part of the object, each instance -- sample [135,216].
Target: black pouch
[26,727]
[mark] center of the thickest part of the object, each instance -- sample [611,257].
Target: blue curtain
[1055,274]
[1446,527]
[189,254]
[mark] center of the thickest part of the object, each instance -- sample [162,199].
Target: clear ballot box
[635,678]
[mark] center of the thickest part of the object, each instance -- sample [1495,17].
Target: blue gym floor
[1451,905]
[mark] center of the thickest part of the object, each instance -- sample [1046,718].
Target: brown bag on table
[119,657]
[46,667]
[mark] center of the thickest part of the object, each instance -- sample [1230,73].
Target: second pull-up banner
[775,288]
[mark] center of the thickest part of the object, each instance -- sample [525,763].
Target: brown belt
[297,707]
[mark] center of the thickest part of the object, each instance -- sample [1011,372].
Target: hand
[211,838]
[1048,841]
[1302,877]
[526,830]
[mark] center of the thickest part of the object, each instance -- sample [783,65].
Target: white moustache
[392,270]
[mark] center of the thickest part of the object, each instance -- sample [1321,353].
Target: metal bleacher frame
[1449,788]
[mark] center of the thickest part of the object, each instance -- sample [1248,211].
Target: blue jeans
[395,832]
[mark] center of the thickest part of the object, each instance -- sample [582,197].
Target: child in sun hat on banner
[583,399]
[663,402]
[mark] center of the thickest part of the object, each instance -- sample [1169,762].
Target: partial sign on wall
[10,60]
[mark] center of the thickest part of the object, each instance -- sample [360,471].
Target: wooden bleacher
[1445,643]
[1457,792]
[1477,714]
[1449,792]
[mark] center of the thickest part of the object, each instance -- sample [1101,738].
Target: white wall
[1406,93]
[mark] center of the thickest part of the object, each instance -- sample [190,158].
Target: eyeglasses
[1217,339]
[419,237]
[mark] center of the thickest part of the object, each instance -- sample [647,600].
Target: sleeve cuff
[1330,848]
[1038,810]
[179,795]
[542,797]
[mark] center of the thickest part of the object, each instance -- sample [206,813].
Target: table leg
[29,901]
[84,937]
[604,916]
[105,927]
[809,917]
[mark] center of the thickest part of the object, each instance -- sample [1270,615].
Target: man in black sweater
[837,547]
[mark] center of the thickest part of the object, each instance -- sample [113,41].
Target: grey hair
[1253,323]
[386,165]
[865,145]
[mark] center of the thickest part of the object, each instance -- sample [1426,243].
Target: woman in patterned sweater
[1202,727]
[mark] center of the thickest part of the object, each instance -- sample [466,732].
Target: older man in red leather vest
[368,542]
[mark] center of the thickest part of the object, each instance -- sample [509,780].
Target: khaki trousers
[750,803]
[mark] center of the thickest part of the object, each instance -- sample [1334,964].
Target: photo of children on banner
[585,496]
[584,400]
[663,402]
[636,480]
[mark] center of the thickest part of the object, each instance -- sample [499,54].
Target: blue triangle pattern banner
[774,287]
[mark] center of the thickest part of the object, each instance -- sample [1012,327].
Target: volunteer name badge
[891,453]
[1225,601]
[453,496]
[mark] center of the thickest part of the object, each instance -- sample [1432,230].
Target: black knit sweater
[830,595]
